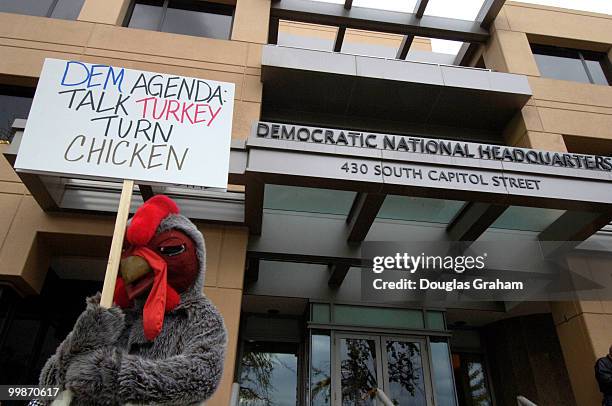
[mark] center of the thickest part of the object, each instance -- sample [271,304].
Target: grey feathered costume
[106,359]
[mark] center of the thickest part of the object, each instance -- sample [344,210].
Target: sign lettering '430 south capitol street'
[100,121]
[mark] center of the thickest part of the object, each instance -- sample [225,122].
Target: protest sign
[103,122]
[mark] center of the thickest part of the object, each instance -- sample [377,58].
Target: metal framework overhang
[361,18]
[582,193]
[473,34]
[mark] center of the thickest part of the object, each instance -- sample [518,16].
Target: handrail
[523,401]
[382,396]
[235,396]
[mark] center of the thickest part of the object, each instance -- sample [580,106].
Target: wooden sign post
[114,257]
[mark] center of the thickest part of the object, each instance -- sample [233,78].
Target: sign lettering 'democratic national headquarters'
[100,121]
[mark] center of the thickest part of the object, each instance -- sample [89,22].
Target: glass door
[406,371]
[358,370]
[397,365]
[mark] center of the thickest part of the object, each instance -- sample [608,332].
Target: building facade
[284,241]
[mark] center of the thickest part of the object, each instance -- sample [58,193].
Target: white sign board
[101,122]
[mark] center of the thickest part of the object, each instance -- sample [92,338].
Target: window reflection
[571,64]
[146,16]
[67,9]
[188,17]
[405,373]
[15,103]
[563,68]
[597,72]
[64,9]
[29,7]
[269,374]
[442,373]
[358,371]
[320,370]
[477,384]
[182,19]
[471,378]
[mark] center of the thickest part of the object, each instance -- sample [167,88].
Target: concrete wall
[562,116]
[525,359]
[582,113]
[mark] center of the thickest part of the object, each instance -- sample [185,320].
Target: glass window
[379,317]
[310,200]
[65,9]
[320,313]
[320,369]
[419,209]
[527,218]
[269,374]
[442,373]
[197,18]
[30,7]
[597,71]
[15,102]
[564,68]
[147,16]
[571,64]
[211,21]
[435,320]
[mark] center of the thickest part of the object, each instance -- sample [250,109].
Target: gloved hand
[93,376]
[96,326]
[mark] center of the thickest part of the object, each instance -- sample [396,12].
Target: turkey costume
[164,341]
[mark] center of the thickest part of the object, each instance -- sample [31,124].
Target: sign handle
[112,267]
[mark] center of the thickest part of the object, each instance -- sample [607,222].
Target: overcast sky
[467,10]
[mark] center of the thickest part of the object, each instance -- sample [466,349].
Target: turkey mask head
[163,260]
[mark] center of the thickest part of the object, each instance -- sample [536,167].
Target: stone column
[110,12]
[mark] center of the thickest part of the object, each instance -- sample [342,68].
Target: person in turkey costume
[164,341]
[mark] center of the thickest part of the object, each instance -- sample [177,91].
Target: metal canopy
[332,86]
[487,14]
[417,23]
[361,18]
[419,8]
[473,220]
[276,158]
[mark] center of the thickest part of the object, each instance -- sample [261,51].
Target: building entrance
[397,365]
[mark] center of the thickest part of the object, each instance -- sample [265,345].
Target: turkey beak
[133,268]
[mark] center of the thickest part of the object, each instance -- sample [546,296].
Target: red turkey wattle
[169,268]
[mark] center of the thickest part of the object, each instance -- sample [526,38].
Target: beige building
[55,233]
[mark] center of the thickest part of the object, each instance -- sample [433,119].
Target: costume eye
[172,250]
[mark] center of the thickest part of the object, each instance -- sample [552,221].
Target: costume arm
[95,327]
[113,376]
